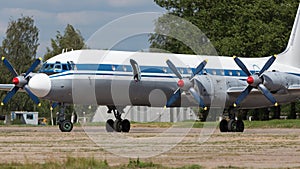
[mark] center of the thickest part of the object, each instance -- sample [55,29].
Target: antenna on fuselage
[66,50]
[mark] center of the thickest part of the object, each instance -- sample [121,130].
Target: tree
[19,47]
[235,27]
[71,39]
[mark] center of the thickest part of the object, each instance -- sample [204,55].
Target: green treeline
[245,28]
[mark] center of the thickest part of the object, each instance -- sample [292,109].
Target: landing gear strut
[64,125]
[232,125]
[119,124]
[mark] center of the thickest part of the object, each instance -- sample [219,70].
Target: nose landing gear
[64,125]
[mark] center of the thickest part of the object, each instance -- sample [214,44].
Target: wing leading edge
[6,87]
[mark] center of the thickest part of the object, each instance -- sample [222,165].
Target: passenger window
[214,72]
[124,68]
[181,71]
[222,72]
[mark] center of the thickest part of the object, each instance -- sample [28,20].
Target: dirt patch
[255,148]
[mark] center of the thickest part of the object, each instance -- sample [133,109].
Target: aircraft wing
[294,87]
[238,90]
[6,87]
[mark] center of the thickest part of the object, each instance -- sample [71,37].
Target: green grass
[273,124]
[90,163]
[139,164]
[289,123]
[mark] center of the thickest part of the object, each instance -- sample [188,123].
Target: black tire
[232,125]
[59,126]
[109,126]
[66,126]
[223,125]
[118,125]
[240,126]
[125,125]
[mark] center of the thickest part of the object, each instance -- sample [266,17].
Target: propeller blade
[9,66]
[197,98]
[54,104]
[199,68]
[267,65]
[173,98]
[10,94]
[174,69]
[241,65]
[33,66]
[267,93]
[243,95]
[32,96]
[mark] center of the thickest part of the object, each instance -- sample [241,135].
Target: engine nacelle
[275,81]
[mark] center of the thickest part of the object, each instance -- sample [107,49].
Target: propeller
[53,105]
[255,81]
[20,81]
[186,84]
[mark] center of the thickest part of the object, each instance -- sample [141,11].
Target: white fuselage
[106,78]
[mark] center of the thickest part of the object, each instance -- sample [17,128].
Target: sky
[87,16]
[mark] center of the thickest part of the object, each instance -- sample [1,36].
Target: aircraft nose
[40,85]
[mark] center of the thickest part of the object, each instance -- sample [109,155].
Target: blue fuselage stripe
[155,71]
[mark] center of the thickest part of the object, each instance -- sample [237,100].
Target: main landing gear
[64,125]
[119,124]
[232,125]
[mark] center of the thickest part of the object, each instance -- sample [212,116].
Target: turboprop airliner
[120,78]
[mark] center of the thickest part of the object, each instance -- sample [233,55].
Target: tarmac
[255,148]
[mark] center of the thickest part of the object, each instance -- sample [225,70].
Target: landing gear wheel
[109,125]
[66,126]
[125,125]
[224,125]
[232,125]
[240,126]
[118,125]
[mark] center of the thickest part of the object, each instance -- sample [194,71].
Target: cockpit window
[65,67]
[51,68]
[57,66]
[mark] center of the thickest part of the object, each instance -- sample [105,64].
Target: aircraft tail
[291,55]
